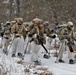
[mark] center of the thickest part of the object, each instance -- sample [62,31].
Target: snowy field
[16,66]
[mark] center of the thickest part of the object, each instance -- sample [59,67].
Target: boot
[20,55]
[71,61]
[13,55]
[46,56]
[37,62]
[61,61]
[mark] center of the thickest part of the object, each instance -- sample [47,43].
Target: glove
[54,36]
[30,35]
[2,34]
[70,48]
[37,36]
[26,32]
[15,32]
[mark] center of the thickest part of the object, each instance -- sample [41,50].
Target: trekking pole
[25,50]
[11,43]
[26,47]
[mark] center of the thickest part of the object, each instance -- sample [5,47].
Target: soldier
[67,34]
[48,39]
[18,29]
[37,35]
[34,42]
[6,37]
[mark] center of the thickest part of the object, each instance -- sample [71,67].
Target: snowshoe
[71,61]
[37,62]
[46,56]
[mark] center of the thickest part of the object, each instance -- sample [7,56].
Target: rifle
[41,43]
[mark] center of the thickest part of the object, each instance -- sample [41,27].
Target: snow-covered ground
[15,66]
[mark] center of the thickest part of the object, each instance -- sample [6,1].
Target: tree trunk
[18,8]
[11,1]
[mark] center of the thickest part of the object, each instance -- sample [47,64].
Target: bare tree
[18,8]
[51,10]
[11,9]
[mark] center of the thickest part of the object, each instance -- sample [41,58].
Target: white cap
[70,23]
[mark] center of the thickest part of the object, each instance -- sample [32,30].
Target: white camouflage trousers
[35,50]
[5,44]
[18,45]
[64,47]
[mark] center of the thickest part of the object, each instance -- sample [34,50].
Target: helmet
[19,20]
[70,26]
[46,23]
[36,20]
[1,23]
[8,23]
[70,23]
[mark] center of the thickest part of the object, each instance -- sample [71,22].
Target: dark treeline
[51,10]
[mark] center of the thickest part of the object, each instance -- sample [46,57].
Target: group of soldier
[15,33]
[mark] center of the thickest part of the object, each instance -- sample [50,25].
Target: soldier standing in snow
[18,29]
[6,37]
[48,39]
[67,34]
[37,35]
